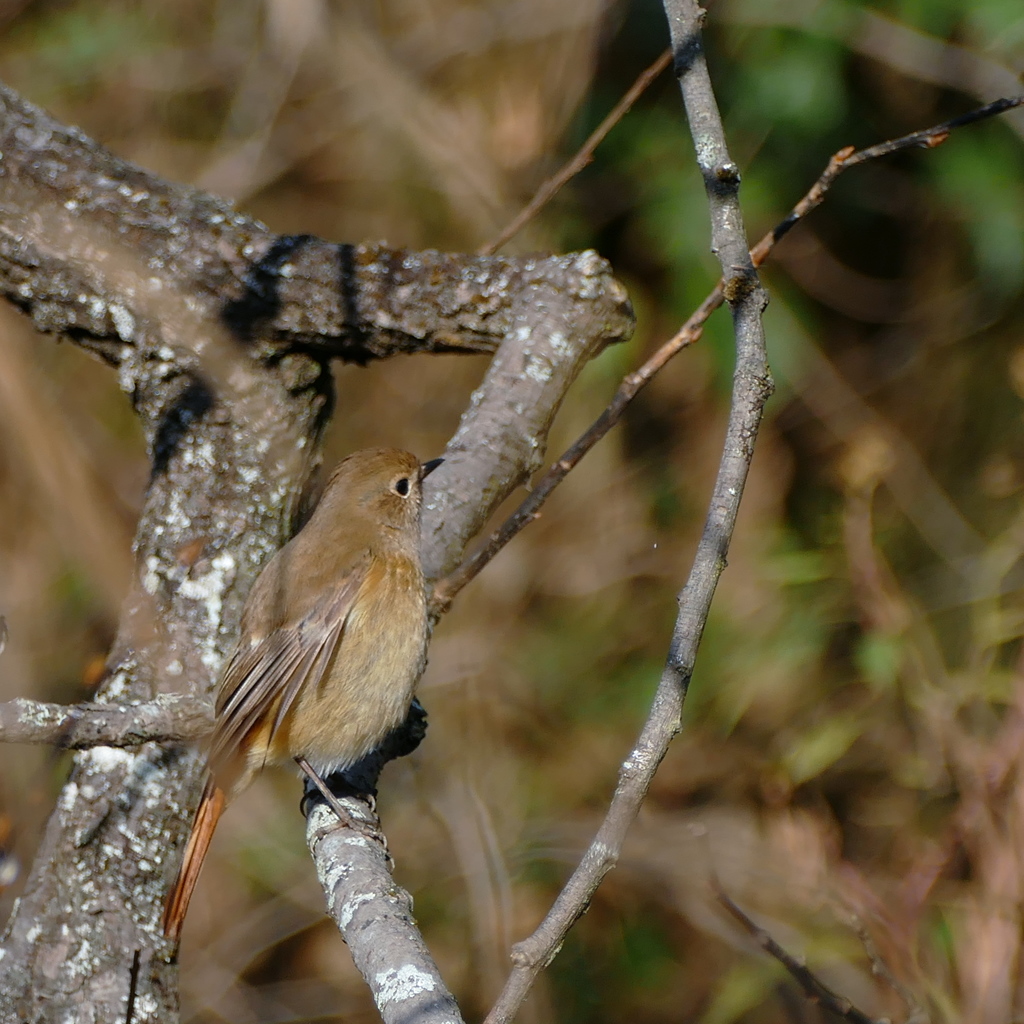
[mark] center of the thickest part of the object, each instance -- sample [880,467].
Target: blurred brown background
[851,760]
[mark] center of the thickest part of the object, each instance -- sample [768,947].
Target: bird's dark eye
[401,486]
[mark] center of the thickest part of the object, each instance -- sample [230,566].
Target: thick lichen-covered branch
[90,246]
[222,332]
[500,441]
[375,918]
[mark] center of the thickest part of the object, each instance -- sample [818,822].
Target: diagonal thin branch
[634,382]
[814,988]
[751,388]
[583,156]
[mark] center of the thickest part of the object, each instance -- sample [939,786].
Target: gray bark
[171,717]
[752,386]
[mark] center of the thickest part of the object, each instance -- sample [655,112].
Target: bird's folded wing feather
[273,670]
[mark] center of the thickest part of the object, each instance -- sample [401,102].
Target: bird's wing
[266,677]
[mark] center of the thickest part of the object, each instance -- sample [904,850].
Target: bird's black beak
[429,467]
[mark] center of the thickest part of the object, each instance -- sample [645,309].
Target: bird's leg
[344,816]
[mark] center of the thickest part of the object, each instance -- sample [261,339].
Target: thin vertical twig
[133,985]
[751,388]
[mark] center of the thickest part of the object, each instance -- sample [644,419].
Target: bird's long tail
[211,807]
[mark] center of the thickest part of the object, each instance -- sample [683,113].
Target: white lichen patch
[401,984]
[115,686]
[105,759]
[124,322]
[32,713]
[209,588]
[706,152]
[82,963]
[201,455]
[145,1006]
[350,906]
[560,346]
[68,796]
[336,872]
[151,577]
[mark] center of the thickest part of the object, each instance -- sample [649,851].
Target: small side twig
[847,157]
[881,970]
[814,988]
[584,155]
[633,383]
[133,985]
[171,717]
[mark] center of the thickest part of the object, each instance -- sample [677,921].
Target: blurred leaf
[789,79]
[819,747]
[878,657]
[649,952]
[83,44]
[791,568]
[998,23]
[745,986]
[981,183]
[938,17]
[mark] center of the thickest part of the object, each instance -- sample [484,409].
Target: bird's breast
[369,682]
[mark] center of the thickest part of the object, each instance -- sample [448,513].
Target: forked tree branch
[174,717]
[500,438]
[27,722]
[221,332]
[751,388]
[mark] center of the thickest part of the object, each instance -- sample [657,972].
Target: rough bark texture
[170,717]
[375,918]
[221,333]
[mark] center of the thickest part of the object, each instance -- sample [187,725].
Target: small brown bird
[332,640]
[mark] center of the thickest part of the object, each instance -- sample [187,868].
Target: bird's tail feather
[211,807]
